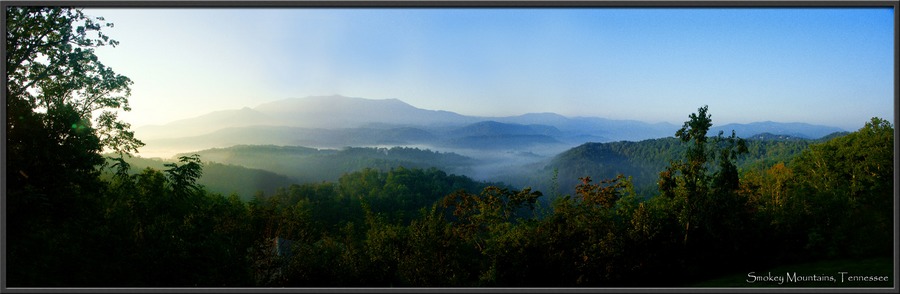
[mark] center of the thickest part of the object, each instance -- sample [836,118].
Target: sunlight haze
[822,66]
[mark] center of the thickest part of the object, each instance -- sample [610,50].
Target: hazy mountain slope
[283,135]
[502,142]
[493,135]
[543,118]
[485,135]
[339,112]
[619,130]
[329,112]
[774,137]
[801,130]
[315,165]
[348,112]
[205,124]
[643,161]
[594,129]
[338,121]
[494,128]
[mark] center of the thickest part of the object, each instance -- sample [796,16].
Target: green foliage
[431,242]
[165,235]
[843,189]
[401,192]
[478,216]
[643,161]
[594,219]
[694,132]
[217,178]
[183,177]
[702,186]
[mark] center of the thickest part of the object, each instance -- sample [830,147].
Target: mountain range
[338,121]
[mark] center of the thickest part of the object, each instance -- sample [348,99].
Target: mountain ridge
[337,121]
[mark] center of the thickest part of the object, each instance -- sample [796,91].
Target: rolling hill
[308,165]
[338,121]
[644,160]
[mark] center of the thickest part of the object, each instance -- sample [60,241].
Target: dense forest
[643,160]
[79,215]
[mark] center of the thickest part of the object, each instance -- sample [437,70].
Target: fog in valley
[492,149]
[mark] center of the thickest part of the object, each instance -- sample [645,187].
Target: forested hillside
[641,160]
[644,160]
[307,165]
[80,215]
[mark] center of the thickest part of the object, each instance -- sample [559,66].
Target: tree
[51,66]
[704,186]
[844,189]
[481,220]
[184,177]
[431,242]
[55,86]
[692,182]
[595,222]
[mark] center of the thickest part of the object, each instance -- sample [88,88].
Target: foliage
[185,175]
[643,161]
[55,86]
[217,178]
[51,68]
[702,186]
[843,188]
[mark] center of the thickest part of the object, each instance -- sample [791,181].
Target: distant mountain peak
[544,114]
[337,111]
[339,98]
[773,137]
[334,103]
[362,121]
[793,129]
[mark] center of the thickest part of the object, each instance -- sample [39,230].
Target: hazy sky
[821,66]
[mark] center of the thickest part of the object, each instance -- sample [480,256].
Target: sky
[822,66]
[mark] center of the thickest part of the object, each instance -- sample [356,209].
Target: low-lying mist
[495,165]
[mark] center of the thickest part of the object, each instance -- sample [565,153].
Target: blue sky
[821,66]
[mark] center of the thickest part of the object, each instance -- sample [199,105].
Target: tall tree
[55,86]
[51,65]
[704,186]
[693,176]
[61,114]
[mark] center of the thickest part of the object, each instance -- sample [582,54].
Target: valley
[320,138]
